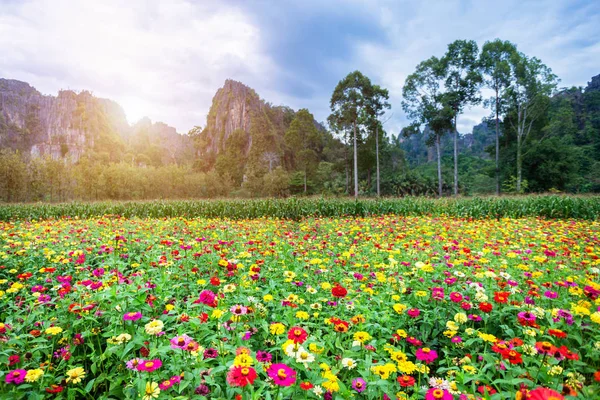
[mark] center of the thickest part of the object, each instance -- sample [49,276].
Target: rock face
[236,106]
[71,124]
[594,84]
[231,109]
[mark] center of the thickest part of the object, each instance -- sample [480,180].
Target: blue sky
[166,59]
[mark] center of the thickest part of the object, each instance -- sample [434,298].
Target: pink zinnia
[133,363]
[239,310]
[438,394]
[132,316]
[413,312]
[17,376]
[164,385]
[282,375]
[180,342]
[208,297]
[426,354]
[149,365]
[456,297]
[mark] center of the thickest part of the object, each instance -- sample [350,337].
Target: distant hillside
[73,124]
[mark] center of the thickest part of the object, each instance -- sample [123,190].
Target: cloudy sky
[166,59]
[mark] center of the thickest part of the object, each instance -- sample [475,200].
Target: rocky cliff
[71,124]
[235,106]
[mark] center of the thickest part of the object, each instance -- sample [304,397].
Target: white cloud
[564,38]
[156,58]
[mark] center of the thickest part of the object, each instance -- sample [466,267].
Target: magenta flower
[207,297]
[438,394]
[426,354]
[281,374]
[16,376]
[413,312]
[180,342]
[359,385]
[263,356]
[149,365]
[132,316]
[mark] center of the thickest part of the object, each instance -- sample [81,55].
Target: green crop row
[553,206]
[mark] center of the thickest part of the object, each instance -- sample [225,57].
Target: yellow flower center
[281,373]
[438,394]
[297,332]
[149,364]
[426,350]
[245,371]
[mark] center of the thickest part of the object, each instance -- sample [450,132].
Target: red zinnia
[339,291]
[241,376]
[545,348]
[501,297]
[406,380]
[306,385]
[485,307]
[542,393]
[297,334]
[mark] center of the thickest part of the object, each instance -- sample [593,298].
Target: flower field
[379,307]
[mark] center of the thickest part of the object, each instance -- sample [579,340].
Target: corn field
[553,206]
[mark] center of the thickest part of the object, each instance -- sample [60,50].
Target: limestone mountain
[245,135]
[72,124]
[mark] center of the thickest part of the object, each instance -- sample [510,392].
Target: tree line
[544,139]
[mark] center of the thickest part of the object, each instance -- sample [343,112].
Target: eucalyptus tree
[348,103]
[495,63]
[528,98]
[462,82]
[376,104]
[426,103]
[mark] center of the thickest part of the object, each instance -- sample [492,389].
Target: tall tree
[425,103]
[347,104]
[494,62]
[376,104]
[528,97]
[303,137]
[462,83]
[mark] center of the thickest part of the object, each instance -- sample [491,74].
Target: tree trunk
[455,157]
[304,180]
[377,155]
[497,147]
[355,165]
[519,162]
[439,164]
[369,178]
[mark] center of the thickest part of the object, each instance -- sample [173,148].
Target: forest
[539,137]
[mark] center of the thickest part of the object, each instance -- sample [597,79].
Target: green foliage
[551,206]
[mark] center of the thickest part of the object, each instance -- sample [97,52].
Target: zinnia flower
[406,380]
[16,376]
[154,327]
[132,316]
[180,342]
[152,391]
[542,393]
[34,374]
[359,385]
[149,365]
[297,334]
[426,354]
[75,375]
[438,394]
[282,375]
[241,376]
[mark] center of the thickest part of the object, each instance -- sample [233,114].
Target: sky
[166,59]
